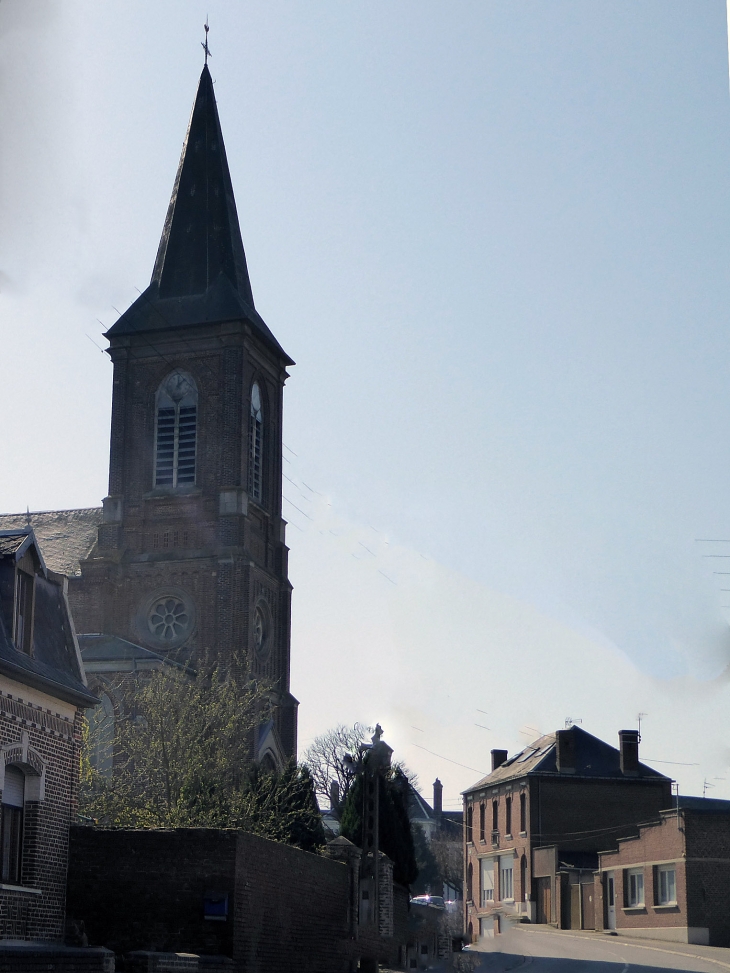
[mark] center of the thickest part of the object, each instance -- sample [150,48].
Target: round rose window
[168,619]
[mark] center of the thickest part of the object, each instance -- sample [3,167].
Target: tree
[183,758]
[447,849]
[396,839]
[325,755]
[429,875]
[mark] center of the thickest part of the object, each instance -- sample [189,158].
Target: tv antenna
[639,717]
[569,721]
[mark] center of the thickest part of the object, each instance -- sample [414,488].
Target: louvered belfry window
[176,432]
[255,444]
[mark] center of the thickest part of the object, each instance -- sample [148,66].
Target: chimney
[628,741]
[334,795]
[498,758]
[438,800]
[565,751]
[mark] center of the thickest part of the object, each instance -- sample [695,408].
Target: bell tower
[191,556]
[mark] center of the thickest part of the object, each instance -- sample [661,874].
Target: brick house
[43,694]
[533,827]
[672,880]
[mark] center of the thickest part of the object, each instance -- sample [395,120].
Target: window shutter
[14,789]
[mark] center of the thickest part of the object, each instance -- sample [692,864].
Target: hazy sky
[495,237]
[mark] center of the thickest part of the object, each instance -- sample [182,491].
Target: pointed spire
[201,237]
[200,272]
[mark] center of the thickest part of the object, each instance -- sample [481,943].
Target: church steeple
[200,274]
[201,237]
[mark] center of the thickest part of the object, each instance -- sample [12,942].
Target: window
[176,431]
[523,879]
[469,813]
[506,877]
[255,444]
[495,815]
[487,880]
[23,611]
[523,812]
[11,825]
[665,885]
[634,887]
[508,816]
[482,822]
[469,882]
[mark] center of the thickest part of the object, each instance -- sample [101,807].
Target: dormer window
[255,444]
[176,431]
[23,620]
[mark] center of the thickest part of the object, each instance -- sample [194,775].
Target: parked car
[437,901]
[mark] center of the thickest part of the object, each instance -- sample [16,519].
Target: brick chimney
[498,758]
[565,751]
[628,741]
[438,798]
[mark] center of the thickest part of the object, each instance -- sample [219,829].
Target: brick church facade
[187,558]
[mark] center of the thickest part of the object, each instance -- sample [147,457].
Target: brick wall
[33,736]
[708,874]
[564,807]
[145,889]
[288,909]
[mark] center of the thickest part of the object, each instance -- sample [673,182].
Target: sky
[495,238]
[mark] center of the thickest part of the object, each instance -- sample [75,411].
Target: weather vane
[204,44]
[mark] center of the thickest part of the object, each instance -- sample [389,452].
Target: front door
[610,901]
[544,900]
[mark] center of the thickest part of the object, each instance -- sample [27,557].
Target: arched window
[523,879]
[469,820]
[11,826]
[255,443]
[469,882]
[176,431]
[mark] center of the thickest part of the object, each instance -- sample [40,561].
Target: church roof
[200,274]
[111,653]
[65,537]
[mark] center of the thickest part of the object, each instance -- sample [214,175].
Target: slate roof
[100,648]
[11,543]
[593,758]
[65,537]
[55,665]
[706,805]
[200,274]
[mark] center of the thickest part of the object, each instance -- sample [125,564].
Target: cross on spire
[204,44]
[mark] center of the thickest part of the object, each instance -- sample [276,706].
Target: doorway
[544,900]
[610,901]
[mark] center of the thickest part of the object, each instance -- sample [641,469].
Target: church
[187,559]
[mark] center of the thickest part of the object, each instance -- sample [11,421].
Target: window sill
[508,837]
[523,834]
[667,907]
[5,887]
[634,908]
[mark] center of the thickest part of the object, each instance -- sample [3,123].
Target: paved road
[537,950]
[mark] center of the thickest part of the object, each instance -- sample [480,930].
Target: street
[539,949]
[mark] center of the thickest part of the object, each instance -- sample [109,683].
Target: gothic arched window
[255,443]
[176,431]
